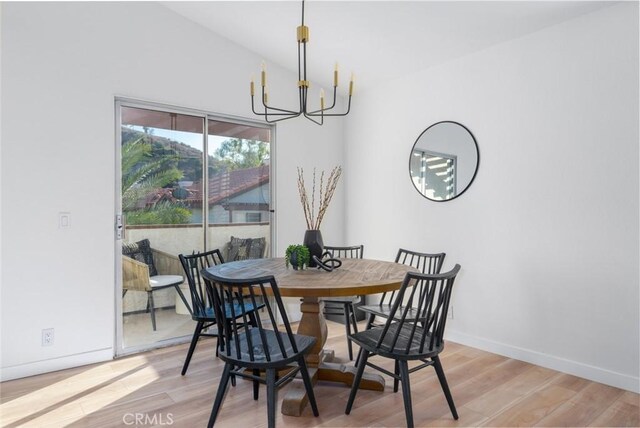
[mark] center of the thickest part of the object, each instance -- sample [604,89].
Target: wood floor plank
[571,382]
[532,408]
[511,391]
[620,414]
[489,390]
[434,406]
[583,407]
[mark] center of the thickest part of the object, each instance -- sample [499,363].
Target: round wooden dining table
[354,277]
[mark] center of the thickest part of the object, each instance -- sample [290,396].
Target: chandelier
[273,114]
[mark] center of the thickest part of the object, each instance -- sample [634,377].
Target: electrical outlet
[450,313]
[64,220]
[47,337]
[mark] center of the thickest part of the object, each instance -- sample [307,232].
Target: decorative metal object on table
[327,262]
[273,114]
[313,237]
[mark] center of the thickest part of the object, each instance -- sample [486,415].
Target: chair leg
[184,300]
[192,347]
[152,309]
[395,380]
[361,364]
[222,389]
[347,327]
[406,392]
[304,372]
[370,321]
[271,398]
[445,386]
[256,384]
[353,317]
[252,319]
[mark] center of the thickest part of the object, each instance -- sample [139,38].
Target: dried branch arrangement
[326,193]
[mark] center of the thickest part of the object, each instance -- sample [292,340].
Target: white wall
[547,235]
[62,66]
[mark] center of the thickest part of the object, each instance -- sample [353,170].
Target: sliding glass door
[187,182]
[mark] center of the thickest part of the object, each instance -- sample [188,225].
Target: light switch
[64,220]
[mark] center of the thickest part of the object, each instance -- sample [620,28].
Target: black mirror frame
[474,173]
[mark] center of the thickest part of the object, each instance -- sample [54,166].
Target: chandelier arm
[280,119]
[321,122]
[262,113]
[315,114]
[267,107]
[284,112]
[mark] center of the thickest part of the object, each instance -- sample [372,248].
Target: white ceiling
[377,40]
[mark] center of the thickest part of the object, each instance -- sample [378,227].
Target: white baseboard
[575,368]
[55,364]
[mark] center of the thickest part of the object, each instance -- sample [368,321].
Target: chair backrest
[141,251]
[263,344]
[408,334]
[201,300]
[425,262]
[349,252]
[245,248]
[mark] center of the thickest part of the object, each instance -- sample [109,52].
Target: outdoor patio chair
[147,269]
[245,248]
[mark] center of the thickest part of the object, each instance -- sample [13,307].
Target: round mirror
[444,161]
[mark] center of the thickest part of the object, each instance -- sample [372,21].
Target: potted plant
[298,256]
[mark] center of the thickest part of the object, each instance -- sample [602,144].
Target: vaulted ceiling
[377,40]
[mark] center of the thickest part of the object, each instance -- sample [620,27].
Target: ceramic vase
[313,241]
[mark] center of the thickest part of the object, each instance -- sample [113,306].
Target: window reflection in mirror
[444,161]
[434,174]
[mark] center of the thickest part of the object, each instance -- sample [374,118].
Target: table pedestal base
[296,397]
[320,362]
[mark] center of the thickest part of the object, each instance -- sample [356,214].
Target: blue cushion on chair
[237,310]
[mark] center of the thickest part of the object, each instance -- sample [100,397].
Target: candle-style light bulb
[351,85]
[266,96]
[321,99]
[335,76]
[264,73]
[252,86]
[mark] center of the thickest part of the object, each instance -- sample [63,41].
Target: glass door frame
[120,102]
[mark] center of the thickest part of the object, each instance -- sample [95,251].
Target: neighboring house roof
[222,186]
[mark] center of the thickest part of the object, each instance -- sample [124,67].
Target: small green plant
[297,255]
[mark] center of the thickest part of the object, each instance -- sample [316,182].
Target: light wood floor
[489,390]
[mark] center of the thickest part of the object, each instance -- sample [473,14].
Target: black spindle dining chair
[344,306]
[265,346]
[202,301]
[406,337]
[424,262]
